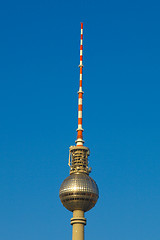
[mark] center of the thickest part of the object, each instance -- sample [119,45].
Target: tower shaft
[78,221]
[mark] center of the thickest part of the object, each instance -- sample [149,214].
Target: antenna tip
[81,25]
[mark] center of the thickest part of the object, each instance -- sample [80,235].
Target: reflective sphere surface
[78,192]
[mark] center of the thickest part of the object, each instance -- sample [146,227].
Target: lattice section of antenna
[78,159]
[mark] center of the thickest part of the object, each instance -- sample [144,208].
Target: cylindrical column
[78,221]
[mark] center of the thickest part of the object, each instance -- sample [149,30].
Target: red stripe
[81,47]
[79,134]
[80,108]
[80,95]
[79,120]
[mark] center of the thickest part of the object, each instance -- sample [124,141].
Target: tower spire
[79,140]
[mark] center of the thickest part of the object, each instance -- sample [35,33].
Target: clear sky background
[39,74]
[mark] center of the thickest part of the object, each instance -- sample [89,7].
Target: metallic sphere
[79,192]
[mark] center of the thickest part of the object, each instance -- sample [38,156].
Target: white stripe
[79,101]
[79,114]
[80,126]
[80,62]
[80,76]
[80,90]
[81,42]
[81,52]
[79,142]
[81,30]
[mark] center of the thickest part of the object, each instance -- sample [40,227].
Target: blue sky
[39,57]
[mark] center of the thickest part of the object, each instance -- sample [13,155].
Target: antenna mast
[79,140]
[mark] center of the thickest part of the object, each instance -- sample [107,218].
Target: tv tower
[79,192]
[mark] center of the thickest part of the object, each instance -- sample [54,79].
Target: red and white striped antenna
[79,140]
